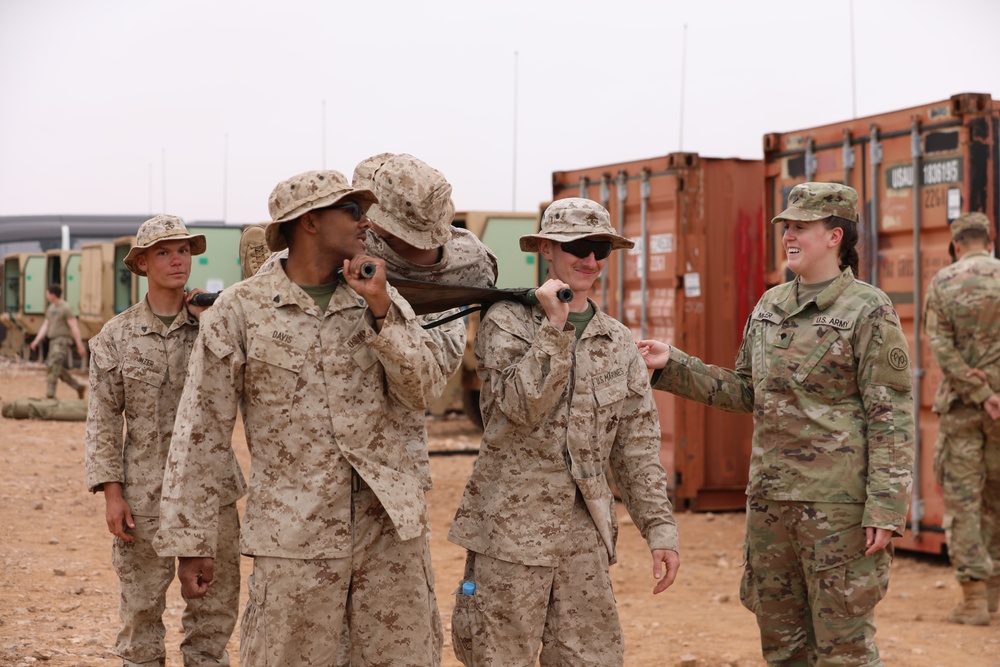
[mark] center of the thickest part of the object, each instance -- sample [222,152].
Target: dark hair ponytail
[848,243]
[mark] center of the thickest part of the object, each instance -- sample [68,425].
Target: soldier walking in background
[963,324]
[63,330]
[336,518]
[138,368]
[565,396]
[824,368]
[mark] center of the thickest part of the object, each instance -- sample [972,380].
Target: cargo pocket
[253,636]
[748,584]
[465,625]
[848,583]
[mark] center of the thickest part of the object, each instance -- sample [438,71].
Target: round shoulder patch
[898,358]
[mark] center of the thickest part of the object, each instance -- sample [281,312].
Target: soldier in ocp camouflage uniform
[62,329]
[824,367]
[336,517]
[963,325]
[565,395]
[138,368]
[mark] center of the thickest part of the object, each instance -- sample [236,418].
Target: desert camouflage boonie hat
[976,220]
[306,192]
[808,202]
[414,202]
[364,173]
[161,228]
[572,219]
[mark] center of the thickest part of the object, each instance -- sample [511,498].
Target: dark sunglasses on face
[351,206]
[584,247]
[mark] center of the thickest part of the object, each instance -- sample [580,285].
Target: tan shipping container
[915,171]
[692,280]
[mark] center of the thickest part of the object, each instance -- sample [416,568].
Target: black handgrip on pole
[368,270]
[565,295]
[204,298]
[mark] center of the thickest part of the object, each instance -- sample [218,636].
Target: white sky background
[94,93]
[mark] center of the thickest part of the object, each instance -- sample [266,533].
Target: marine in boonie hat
[306,192]
[808,202]
[414,202]
[968,221]
[161,228]
[573,219]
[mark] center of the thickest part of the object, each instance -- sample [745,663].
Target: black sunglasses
[584,247]
[352,206]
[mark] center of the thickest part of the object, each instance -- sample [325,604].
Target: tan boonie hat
[161,228]
[808,202]
[572,219]
[306,192]
[364,173]
[976,220]
[414,202]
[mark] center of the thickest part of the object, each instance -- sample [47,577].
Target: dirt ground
[58,592]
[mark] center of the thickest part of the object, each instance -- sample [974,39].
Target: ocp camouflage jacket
[963,324]
[829,384]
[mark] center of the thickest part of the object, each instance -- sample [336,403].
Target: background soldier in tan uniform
[824,368]
[963,324]
[137,371]
[336,517]
[565,394]
[62,329]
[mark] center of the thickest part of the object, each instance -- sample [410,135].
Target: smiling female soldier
[824,368]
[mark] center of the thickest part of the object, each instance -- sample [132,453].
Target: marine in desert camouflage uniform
[565,396]
[138,367]
[963,324]
[824,368]
[62,330]
[336,517]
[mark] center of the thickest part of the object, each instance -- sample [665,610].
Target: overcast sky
[202,106]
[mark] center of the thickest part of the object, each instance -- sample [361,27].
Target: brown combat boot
[253,249]
[972,610]
[993,593]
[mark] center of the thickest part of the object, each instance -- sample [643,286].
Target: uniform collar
[788,303]
[286,293]
[149,323]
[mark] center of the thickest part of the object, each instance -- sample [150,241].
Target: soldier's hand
[372,290]
[195,575]
[876,539]
[193,309]
[981,374]
[117,512]
[654,353]
[556,312]
[992,406]
[665,566]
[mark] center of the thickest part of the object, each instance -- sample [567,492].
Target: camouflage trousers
[810,585]
[298,609]
[208,622]
[60,352]
[967,465]
[569,609]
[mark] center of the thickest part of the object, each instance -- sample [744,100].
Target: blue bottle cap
[468,587]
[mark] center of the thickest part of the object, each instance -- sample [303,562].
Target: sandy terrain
[58,592]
